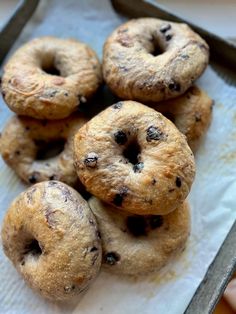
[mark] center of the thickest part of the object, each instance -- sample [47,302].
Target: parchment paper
[212,197]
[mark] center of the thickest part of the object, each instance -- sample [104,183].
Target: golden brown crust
[50,235]
[191,113]
[29,90]
[19,145]
[133,157]
[137,245]
[132,71]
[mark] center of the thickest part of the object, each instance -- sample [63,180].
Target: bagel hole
[132,151]
[51,69]
[47,150]
[33,248]
[156,50]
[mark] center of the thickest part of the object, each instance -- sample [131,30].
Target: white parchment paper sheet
[212,197]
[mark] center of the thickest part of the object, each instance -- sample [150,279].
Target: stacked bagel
[135,163]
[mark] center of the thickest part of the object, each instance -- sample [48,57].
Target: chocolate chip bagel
[131,156]
[148,59]
[25,140]
[50,235]
[137,245]
[191,113]
[48,77]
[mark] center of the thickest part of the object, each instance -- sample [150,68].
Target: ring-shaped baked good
[137,245]
[50,235]
[48,77]
[148,59]
[26,145]
[131,156]
[190,112]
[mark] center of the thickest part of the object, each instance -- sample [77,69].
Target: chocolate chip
[3,94]
[66,94]
[118,105]
[33,178]
[120,137]
[136,225]
[118,199]
[91,160]
[53,93]
[198,117]
[171,190]
[168,37]
[93,249]
[184,56]
[154,133]
[68,289]
[165,27]
[27,128]
[17,152]
[178,182]
[154,181]
[138,167]
[112,258]
[156,221]
[174,87]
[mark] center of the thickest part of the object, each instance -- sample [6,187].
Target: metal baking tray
[223,59]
